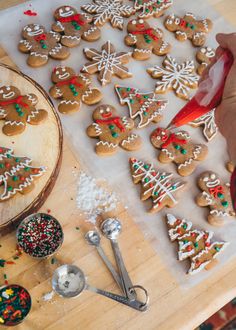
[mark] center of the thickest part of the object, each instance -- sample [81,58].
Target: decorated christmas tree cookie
[178,148]
[216,195]
[193,244]
[149,8]
[208,123]
[159,186]
[174,76]
[145,106]
[16,174]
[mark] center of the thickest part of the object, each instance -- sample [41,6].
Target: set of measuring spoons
[69,280]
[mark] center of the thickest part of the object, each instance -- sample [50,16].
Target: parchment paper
[116,168]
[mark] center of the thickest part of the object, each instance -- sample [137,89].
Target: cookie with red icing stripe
[73,26]
[188,27]
[145,40]
[216,195]
[178,148]
[112,131]
[71,89]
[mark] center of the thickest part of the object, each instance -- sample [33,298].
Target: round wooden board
[42,143]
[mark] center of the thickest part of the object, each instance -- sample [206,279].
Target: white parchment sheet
[116,168]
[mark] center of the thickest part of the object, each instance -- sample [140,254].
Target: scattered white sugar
[48,296]
[92,199]
[69,283]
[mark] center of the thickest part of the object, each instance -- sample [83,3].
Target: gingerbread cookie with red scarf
[17,110]
[112,131]
[178,148]
[216,195]
[71,89]
[189,27]
[73,26]
[41,45]
[145,40]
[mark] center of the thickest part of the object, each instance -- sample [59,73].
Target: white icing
[145,51]
[58,23]
[13,123]
[182,33]
[98,129]
[33,114]
[90,31]
[26,43]
[39,55]
[86,94]
[175,76]
[71,37]
[55,35]
[125,122]
[219,213]
[208,121]
[32,98]
[150,5]
[130,139]
[168,153]
[207,197]
[108,10]
[196,152]
[107,144]
[56,49]
[69,102]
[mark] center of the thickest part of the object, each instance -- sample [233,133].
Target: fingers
[227,41]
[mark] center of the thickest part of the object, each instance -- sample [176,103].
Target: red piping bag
[208,97]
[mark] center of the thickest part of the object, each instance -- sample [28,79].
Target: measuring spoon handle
[110,266]
[126,281]
[135,304]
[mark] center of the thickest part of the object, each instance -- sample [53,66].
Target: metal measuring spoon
[111,229]
[69,282]
[93,238]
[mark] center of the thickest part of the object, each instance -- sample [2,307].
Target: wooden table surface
[171,307]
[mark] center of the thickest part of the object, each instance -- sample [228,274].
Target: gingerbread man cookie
[17,110]
[107,63]
[73,26]
[204,56]
[174,76]
[189,27]
[145,40]
[178,148]
[112,131]
[71,89]
[216,195]
[159,186]
[149,8]
[40,45]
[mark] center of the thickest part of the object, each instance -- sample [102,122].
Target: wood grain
[45,150]
[171,307]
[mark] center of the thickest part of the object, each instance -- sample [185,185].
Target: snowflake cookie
[159,186]
[204,56]
[189,27]
[112,131]
[178,148]
[145,106]
[19,110]
[40,45]
[210,128]
[113,11]
[16,174]
[73,26]
[149,8]
[145,40]
[179,77]
[216,195]
[107,63]
[194,244]
[71,89]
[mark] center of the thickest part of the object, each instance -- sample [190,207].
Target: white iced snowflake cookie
[173,76]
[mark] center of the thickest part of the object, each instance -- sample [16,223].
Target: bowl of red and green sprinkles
[40,235]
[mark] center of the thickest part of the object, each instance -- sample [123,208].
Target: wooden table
[170,306]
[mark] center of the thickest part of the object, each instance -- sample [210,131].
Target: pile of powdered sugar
[93,199]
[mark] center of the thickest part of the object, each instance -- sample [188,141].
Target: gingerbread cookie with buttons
[215,195]
[145,40]
[178,148]
[73,26]
[112,131]
[189,27]
[204,57]
[149,8]
[40,45]
[70,89]
[17,110]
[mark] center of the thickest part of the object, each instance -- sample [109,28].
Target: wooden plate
[42,143]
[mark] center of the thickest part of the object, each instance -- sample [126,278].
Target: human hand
[226,112]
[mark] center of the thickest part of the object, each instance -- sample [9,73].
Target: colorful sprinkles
[15,304]
[40,235]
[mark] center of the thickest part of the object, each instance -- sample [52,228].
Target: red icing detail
[207,244]
[72,80]
[216,190]
[149,32]
[30,13]
[178,222]
[173,139]
[189,248]
[114,120]
[76,18]
[107,114]
[18,100]
[40,37]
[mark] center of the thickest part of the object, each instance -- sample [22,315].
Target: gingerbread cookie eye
[57,72]
[141,21]
[101,111]
[8,88]
[134,22]
[28,29]
[213,176]
[206,179]
[1,91]
[177,21]
[36,27]
[67,8]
